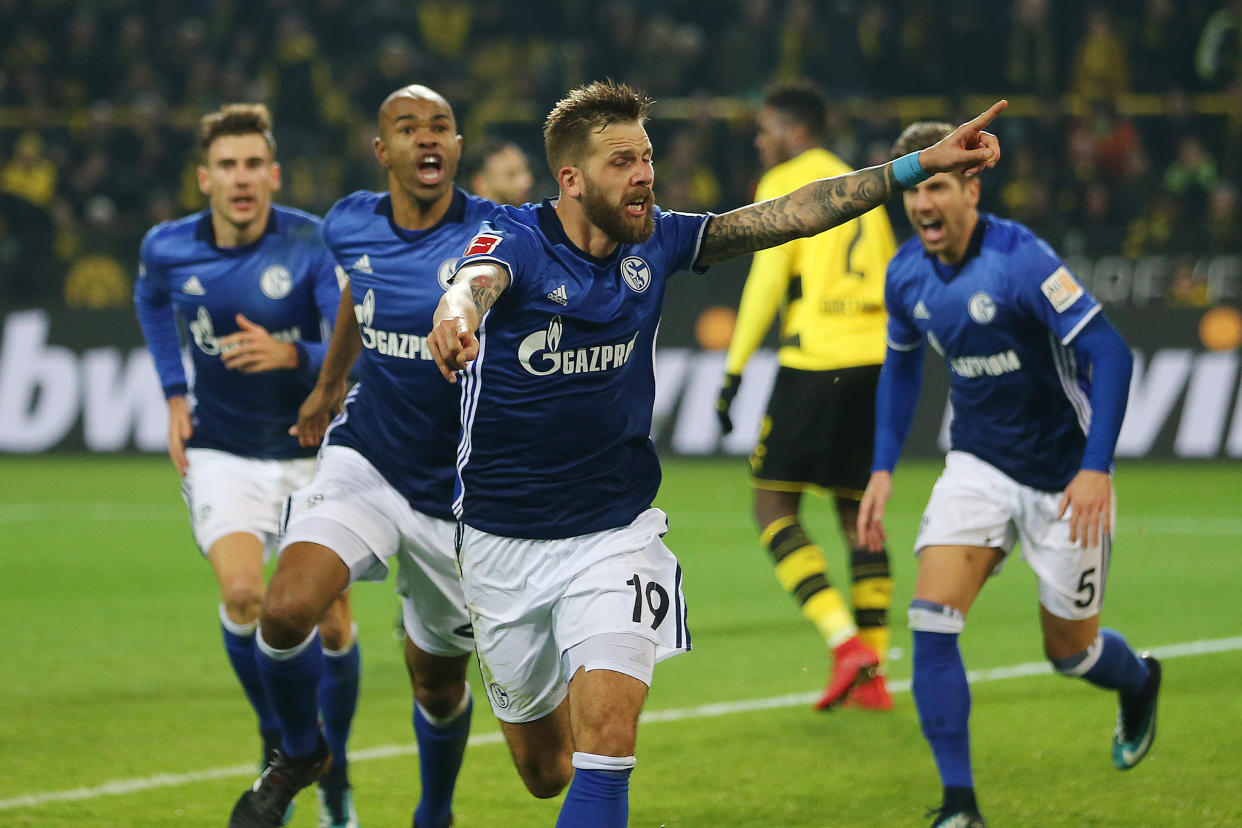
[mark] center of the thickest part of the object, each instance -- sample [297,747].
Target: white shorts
[227,493]
[531,600]
[976,504]
[350,508]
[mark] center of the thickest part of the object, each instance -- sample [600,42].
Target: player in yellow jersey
[817,433]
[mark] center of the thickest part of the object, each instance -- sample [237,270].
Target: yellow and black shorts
[818,432]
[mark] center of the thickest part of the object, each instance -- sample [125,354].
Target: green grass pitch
[117,707]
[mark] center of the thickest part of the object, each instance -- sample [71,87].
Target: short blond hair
[587,109]
[236,119]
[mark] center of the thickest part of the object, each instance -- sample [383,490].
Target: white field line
[704,711]
[143,512]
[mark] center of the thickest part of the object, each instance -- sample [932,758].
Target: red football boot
[871,695]
[853,663]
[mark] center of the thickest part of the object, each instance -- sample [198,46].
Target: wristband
[908,171]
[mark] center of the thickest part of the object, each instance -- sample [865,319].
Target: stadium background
[1121,148]
[1123,145]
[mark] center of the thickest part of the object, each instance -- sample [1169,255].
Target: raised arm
[823,204]
[452,341]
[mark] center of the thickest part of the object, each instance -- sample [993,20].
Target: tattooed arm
[807,211]
[823,204]
[475,289]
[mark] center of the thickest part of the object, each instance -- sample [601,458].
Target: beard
[611,218]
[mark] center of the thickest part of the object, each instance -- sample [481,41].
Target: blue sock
[338,699]
[599,796]
[239,644]
[942,697]
[1118,667]
[291,678]
[440,751]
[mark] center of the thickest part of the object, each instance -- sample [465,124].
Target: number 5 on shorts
[1086,586]
[657,600]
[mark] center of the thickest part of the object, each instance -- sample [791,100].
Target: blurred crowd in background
[1124,135]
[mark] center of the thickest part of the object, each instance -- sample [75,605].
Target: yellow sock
[802,572]
[872,594]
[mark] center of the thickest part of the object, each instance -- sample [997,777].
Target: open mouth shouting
[430,169]
[638,204]
[931,230]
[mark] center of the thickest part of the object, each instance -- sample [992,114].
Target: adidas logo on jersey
[193,287]
[363,265]
[921,311]
[559,296]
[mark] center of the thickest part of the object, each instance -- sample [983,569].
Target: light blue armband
[908,171]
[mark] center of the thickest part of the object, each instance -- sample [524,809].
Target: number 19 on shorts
[650,601]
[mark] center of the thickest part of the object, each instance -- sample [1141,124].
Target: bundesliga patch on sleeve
[482,243]
[1061,289]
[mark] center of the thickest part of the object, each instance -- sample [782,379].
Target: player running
[384,484]
[552,316]
[1038,384]
[252,287]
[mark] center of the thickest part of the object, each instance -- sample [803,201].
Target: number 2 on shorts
[657,600]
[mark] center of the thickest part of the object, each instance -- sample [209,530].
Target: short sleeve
[327,278]
[682,234]
[496,241]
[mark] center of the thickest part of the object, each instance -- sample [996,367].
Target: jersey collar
[947,272]
[205,233]
[455,214]
[551,226]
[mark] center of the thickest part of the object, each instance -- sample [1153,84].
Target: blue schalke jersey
[402,416]
[284,281]
[1003,319]
[556,409]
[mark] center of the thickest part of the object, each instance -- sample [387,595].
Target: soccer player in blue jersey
[253,288]
[552,318]
[1038,384]
[384,483]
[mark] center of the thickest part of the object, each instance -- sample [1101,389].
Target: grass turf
[113,672]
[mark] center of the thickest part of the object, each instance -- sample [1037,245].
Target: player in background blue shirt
[252,288]
[552,318]
[1038,386]
[384,483]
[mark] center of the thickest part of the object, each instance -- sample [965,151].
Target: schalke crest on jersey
[276,282]
[982,308]
[636,273]
[444,274]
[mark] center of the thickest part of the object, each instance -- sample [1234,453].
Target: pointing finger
[982,120]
